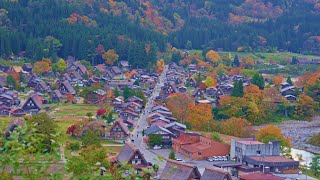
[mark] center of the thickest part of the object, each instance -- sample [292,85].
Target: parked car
[225,158]
[215,158]
[157,147]
[180,160]
[210,159]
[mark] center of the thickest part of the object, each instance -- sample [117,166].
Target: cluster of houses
[250,159]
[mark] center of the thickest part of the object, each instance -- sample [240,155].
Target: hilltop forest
[81,28]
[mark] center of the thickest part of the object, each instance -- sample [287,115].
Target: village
[133,108]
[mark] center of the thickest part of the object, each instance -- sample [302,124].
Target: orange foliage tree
[253,93]
[270,133]
[110,56]
[200,116]
[237,127]
[178,104]
[42,66]
[305,107]
[277,80]
[160,65]
[213,56]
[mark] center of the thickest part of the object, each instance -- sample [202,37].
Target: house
[96,97]
[216,174]
[176,128]
[197,94]
[192,82]
[131,155]
[56,96]
[238,78]
[169,89]
[16,112]
[27,67]
[195,146]
[66,77]
[78,67]
[124,65]
[115,70]
[14,69]
[275,164]
[182,89]
[129,122]
[42,87]
[224,89]
[66,88]
[127,113]
[249,147]
[135,99]
[180,171]
[291,97]
[260,176]
[7,100]
[33,105]
[75,76]
[101,68]
[285,85]
[162,108]
[4,109]
[97,126]
[290,90]
[120,84]
[165,134]
[118,130]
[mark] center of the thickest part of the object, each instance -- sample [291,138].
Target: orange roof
[17,68]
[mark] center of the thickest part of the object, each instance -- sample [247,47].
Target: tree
[277,80]
[45,126]
[61,65]
[258,80]
[315,165]
[53,46]
[116,92]
[305,107]
[237,90]
[110,56]
[155,139]
[91,139]
[176,57]
[216,136]
[109,117]
[200,117]
[213,56]
[188,45]
[236,127]
[270,133]
[126,93]
[172,154]
[289,81]
[178,105]
[101,112]
[74,130]
[315,140]
[160,65]
[42,66]
[210,82]
[294,60]
[236,61]
[11,82]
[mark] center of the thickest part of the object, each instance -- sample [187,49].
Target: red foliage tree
[101,112]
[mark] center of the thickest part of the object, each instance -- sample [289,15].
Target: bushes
[74,146]
[315,140]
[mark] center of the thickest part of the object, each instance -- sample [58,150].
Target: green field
[77,110]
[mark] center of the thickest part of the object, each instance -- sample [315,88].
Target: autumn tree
[270,133]
[236,127]
[305,107]
[247,62]
[200,117]
[178,105]
[101,111]
[160,65]
[253,93]
[213,56]
[42,66]
[277,80]
[210,82]
[110,56]
[11,82]
[61,65]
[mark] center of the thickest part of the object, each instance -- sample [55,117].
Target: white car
[210,159]
[215,158]
[157,147]
[180,160]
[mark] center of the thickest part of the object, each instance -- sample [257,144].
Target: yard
[4,122]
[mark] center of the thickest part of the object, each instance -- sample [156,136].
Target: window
[136,156]
[199,153]
[258,152]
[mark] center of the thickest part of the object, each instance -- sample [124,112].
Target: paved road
[142,124]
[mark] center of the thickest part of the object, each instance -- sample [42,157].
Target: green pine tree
[172,155]
[258,80]
[289,81]
[237,90]
[236,61]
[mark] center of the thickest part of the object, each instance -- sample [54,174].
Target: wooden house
[118,130]
[33,105]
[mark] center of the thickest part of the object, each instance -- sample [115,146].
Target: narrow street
[142,124]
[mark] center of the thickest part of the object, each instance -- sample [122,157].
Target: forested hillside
[52,28]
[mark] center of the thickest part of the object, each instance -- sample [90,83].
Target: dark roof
[77,75]
[122,125]
[67,77]
[127,153]
[82,68]
[58,93]
[124,63]
[216,174]
[155,108]
[68,87]
[116,69]
[179,171]
[154,129]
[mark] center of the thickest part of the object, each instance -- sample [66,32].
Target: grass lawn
[73,110]
[4,122]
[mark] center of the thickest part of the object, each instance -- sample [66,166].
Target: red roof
[260,176]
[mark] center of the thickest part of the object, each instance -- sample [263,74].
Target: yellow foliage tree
[110,56]
[200,116]
[160,65]
[213,56]
[210,82]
